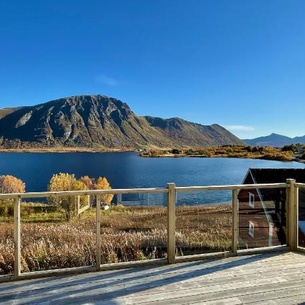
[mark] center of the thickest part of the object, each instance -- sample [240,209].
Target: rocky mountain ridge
[275,140]
[101,121]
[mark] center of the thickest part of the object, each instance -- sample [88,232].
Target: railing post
[171,223]
[98,232]
[234,221]
[17,238]
[292,220]
[296,199]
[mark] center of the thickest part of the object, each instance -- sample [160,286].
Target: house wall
[253,214]
[269,209]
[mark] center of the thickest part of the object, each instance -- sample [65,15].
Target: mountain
[300,140]
[275,140]
[101,121]
[4,112]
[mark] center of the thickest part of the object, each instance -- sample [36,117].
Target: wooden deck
[269,278]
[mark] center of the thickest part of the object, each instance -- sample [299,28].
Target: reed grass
[127,234]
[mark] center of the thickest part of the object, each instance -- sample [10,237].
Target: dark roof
[277,175]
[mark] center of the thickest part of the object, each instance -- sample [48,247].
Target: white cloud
[239,128]
[106,80]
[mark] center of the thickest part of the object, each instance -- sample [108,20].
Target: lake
[128,170]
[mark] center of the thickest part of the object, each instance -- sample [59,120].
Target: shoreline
[64,150]
[140,153]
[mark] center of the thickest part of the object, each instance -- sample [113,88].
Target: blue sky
[237,63]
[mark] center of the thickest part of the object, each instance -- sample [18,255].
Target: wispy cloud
[106,80]
[239,128]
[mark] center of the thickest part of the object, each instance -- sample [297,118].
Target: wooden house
[262,212]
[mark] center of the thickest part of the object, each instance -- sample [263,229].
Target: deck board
[270,278]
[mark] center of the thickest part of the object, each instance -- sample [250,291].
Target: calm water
[127,170]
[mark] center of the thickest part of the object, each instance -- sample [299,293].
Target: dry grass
[203,229]
[286,153]
[127,234]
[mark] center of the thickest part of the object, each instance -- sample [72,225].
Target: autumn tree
[66,182]
[103,184]
[11,184]
[80,186]
[100,184]
[89,182]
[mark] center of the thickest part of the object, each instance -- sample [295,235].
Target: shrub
[103,184]
[68,182]
[100,184]
[2,210]
[11,184]
[65,182]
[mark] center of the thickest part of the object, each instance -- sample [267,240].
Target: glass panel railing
[6,237]
[141,199]
[54,235]
[262,218]
[135,228]
[60,232]
[202,228]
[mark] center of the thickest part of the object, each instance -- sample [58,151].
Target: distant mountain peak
[275,140]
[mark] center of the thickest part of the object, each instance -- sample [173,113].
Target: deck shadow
[99,287]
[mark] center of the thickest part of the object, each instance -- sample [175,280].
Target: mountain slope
[300,140]
[4,112]
[100,121]
[275,140]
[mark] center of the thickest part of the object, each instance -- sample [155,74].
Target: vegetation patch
[285,153]
[127,234]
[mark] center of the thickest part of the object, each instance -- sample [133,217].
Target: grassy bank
[127,234]
[285,153]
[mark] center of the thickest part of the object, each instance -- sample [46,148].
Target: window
[251,229]
[251,200]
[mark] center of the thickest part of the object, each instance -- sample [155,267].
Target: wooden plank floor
[272,278]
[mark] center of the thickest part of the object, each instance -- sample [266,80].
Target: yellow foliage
[103,184]
[88,182]
[100,184]
[62,182]
[79,185]
[68,182]
[65,182]
[11,184]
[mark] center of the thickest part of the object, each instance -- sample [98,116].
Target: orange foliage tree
[103,184]
[68,182]
[100,184]
[11,184]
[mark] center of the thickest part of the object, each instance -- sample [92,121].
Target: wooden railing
[171,192]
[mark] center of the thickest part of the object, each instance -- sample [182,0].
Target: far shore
[286,153]
[62,150]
